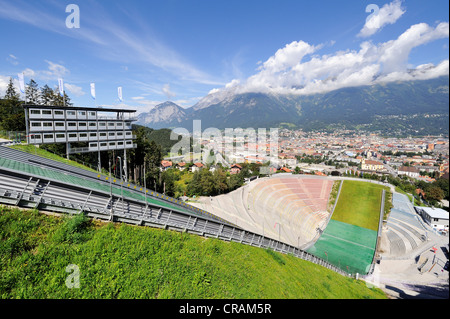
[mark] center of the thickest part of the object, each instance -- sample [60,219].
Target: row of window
[76,114]
[75,137]
[60,113]
[110,144]
[60,125]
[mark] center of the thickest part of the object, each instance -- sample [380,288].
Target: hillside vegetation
[123,261]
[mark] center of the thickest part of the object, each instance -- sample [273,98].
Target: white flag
[119,92]
[93,90]
[61,87]
[21,82]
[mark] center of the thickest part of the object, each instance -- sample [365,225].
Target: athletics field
[349,240]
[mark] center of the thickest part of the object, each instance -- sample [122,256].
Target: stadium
[346,225]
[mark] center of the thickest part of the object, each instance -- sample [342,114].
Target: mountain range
[353,107]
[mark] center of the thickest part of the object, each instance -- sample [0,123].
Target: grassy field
[123,261]
[359,204]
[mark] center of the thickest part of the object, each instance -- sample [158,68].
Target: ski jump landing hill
[289,208]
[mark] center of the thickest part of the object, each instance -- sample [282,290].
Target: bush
[74,230]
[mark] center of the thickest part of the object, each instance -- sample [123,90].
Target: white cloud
[74,89]
[293,69]
[388,14]
[166,90]
[395,53]
[12,59]
[53,72]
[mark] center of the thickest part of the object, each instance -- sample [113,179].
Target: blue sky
[181,50]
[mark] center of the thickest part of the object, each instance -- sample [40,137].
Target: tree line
[12,116]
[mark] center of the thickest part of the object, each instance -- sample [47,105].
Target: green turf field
[349,240]
[359,204]
[346,246]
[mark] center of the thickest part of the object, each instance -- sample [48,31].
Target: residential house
[369,165]
[197,166]
[408,171]
[180,166]
[235,169]
[165,165]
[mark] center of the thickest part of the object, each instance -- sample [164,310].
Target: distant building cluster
[321,153]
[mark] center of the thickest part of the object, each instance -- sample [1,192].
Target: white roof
[435,212]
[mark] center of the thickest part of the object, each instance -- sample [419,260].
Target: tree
[58,100]
[46,97]
[434,193]
[11,93]
[153,157]
[12,116]
[32,93]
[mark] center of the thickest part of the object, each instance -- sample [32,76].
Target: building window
[35,111]
[60,135]
[46,112]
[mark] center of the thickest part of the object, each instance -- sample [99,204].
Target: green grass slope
[359,204]
[349,240]
[123,261]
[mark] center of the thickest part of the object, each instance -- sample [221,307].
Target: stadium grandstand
[289,208]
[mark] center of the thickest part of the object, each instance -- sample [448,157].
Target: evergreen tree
[32,93]
[58,100]
[46,97]
[11,93]
[12,116]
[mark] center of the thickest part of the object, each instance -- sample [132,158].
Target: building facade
[100,129]
[437,218]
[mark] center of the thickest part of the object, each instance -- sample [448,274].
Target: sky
[183,50]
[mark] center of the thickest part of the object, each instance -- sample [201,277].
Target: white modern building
[99,129]
[437,218]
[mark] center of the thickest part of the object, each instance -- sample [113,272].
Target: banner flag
[61,86]
[119,92]
[93,90]
[21,82]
